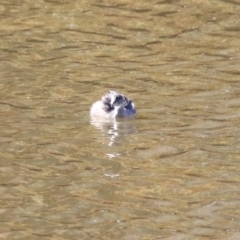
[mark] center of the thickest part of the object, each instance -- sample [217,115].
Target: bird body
[113,105]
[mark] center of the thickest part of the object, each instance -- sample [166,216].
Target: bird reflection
[114,131]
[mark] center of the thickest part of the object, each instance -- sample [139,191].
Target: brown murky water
[171,173]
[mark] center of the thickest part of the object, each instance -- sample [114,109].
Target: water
[172,172]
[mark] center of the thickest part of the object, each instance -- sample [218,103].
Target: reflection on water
[170,173]
[114,130]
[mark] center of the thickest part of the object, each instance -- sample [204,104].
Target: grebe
[113,105]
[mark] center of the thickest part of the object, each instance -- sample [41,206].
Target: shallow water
[170,173]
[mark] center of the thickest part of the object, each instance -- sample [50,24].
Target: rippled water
[170,173]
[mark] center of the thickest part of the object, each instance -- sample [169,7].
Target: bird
[113,105]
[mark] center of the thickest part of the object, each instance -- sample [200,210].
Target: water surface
[172,172]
